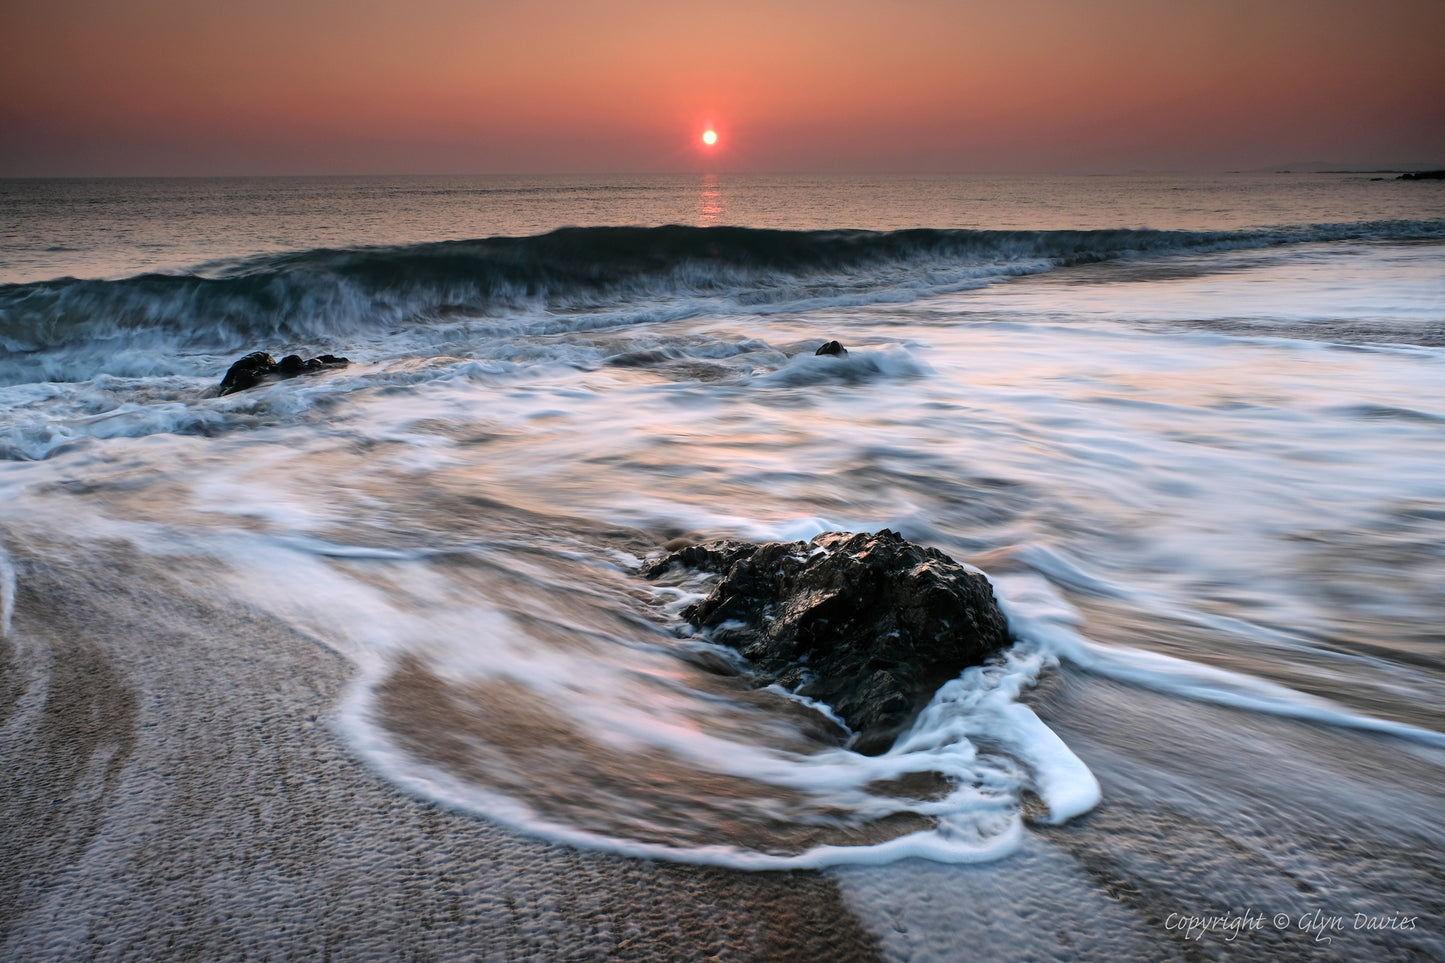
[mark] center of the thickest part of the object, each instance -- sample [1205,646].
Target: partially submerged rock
[831,347]
[869,624]
[258,367]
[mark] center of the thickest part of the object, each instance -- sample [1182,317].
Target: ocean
[1192,428]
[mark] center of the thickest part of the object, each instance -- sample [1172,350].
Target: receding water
[1200,463]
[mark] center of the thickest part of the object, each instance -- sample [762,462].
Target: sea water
[1193,430]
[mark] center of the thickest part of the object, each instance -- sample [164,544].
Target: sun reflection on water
[709,201]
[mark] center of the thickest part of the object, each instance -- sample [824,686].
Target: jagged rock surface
[869,623]
[258,367]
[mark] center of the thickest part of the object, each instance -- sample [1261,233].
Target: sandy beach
[363,664]
[172,791]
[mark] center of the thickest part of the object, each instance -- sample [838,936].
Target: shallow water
[1203,477]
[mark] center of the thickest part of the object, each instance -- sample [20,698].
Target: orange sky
[442,86]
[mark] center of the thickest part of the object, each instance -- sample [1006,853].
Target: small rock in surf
[870,624]
[832,347]
[259,367]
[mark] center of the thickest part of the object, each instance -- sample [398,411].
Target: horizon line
[1296,168]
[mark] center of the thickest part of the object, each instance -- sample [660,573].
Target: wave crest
[320,297]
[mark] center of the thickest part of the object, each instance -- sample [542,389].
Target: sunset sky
[97,87]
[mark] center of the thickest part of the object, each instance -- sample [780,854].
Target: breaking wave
[321,296]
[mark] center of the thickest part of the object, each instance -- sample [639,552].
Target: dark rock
[832,347]
[869,624]
[247,372]
[258,367]
[1422,176]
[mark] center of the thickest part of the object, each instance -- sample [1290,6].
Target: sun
[709,137]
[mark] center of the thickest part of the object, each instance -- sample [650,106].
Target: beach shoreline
[1199,463]
[174,791]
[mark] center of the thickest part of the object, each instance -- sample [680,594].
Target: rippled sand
[173,791]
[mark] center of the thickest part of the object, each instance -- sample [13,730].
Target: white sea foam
[982,836]
[627,699]
[1037,613]
[859,365]
[1164,673]
[502,465]
[979,821]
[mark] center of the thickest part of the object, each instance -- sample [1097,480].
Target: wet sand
[173,791]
